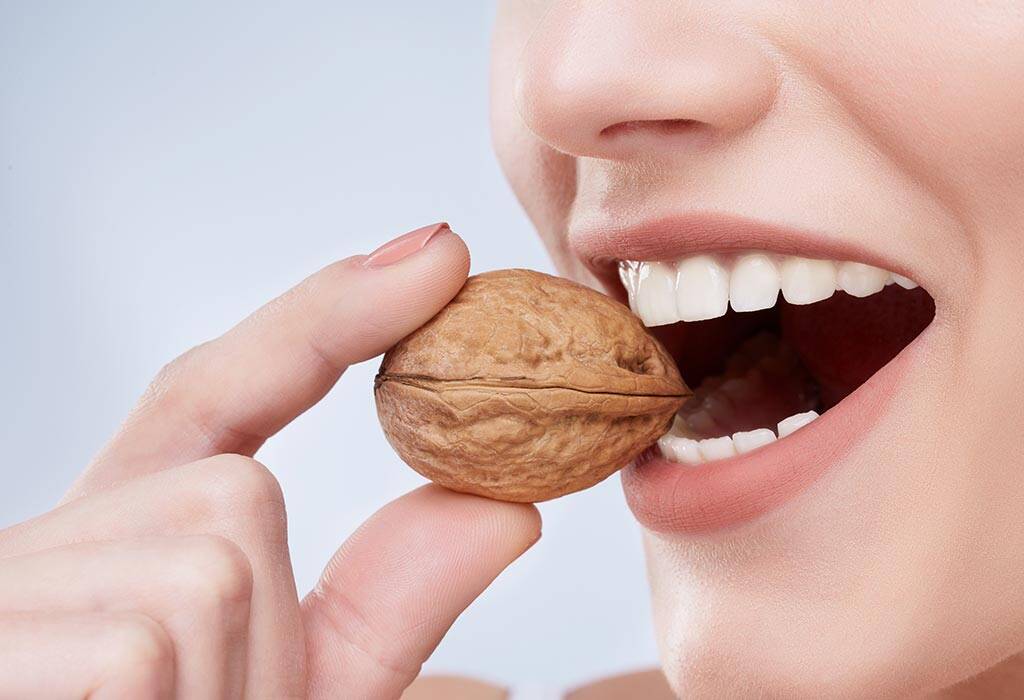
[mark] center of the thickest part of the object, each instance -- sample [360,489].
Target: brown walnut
[526,387]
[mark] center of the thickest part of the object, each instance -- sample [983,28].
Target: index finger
[231,394]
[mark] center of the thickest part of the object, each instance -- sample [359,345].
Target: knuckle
[349,626]
[235,483]
[213,571]
[140,655]
[239,497]
[316,301]
[329,279]
[182,389]
[171,376]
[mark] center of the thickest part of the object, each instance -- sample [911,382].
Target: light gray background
[166,169]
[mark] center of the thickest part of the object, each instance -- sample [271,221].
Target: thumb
[391,592]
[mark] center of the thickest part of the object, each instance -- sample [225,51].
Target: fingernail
[404,246]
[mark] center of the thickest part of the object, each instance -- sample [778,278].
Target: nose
[622,79]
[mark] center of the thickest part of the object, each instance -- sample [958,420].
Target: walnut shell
[526,387]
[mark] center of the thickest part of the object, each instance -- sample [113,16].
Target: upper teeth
[703,286]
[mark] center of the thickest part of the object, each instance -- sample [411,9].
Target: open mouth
[768,342]
[795,342]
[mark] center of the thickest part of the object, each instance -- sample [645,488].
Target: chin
[869,584]
[743,647]
[837,511]
[819,519]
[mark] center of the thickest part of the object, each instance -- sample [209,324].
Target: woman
[866,159]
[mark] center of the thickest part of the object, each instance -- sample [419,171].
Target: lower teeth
[687,450]
[764,384]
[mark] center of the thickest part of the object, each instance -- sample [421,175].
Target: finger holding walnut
[526,387]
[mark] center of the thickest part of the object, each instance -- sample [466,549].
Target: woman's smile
[812,208]
[772,328]
[816,208]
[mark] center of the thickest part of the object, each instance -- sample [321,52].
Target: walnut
[526,387]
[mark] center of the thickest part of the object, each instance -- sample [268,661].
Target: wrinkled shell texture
[526,387]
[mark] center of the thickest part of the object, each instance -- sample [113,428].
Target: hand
[166,573]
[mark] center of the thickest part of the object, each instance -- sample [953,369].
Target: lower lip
[672,498]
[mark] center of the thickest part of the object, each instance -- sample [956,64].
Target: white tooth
[752,439]
[904,282]
[754,283]
[718,406]
[680,449]
[788,426]
[717,448]
[690,405]
[655,293]
[805,281]
[701,423]
[739,388]
[860,280]
[681,429]
[702,288]
[629,273]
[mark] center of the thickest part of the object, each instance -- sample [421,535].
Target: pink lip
[601,244]
[669,497]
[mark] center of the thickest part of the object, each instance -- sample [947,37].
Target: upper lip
[675,236]
[669,498]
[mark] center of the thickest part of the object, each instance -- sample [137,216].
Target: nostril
[666,127]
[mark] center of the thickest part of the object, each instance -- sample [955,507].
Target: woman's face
[726,148]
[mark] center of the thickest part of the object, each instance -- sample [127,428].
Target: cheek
[934,84]
[543,180]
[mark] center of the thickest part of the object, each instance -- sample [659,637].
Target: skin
[891,124]
[165,572]
[894,126]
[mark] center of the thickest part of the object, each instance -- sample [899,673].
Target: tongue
[763,383]
[843,340]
